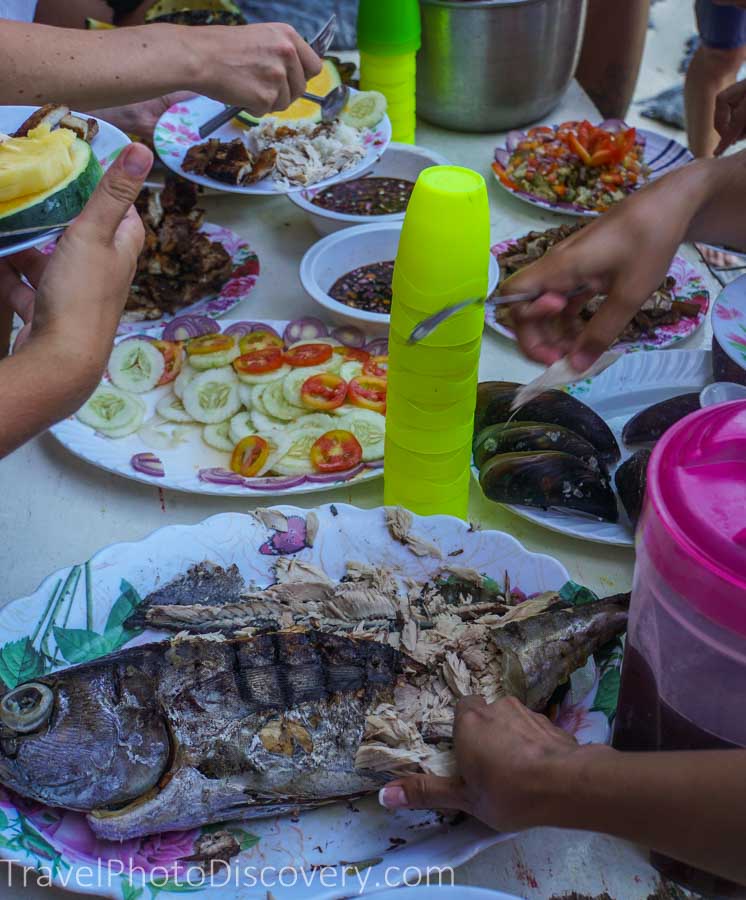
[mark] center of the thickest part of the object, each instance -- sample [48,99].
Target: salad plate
[168,450]
[688,286]
[107,144]
[635,382]
[177,131]
[76,614]
[659,154]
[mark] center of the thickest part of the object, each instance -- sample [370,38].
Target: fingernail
[136,160]
[582,360]
[392,796]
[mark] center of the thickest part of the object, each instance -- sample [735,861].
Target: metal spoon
[428,325]
[721,392]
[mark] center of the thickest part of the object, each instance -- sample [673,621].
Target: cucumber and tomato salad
[311,406]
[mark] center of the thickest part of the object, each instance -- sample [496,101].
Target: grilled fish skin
[178,733]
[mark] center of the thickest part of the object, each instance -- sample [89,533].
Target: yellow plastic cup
[461,328]
[448,362]
[430,418]
[424,390]
[429,466]
[458,507]
[447,440]
[424,491]
[378,72]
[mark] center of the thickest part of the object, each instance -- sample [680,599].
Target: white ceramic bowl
[339,253]
[398,161]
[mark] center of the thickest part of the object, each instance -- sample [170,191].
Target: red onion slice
[241,329]
[513,139]
[349,335]
[376,464]
[184,327]
[274,482]
[220,476]
[335,477]
[502,157]
[148,464]
[306,329]
[138,337]
[378,347]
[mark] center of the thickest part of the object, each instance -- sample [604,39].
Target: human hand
[20,275]
[82,288]
[139,119]
[624,254]
[512,764]
[261,68]
[730,116]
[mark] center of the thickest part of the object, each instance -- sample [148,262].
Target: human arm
[74,310]
[260,67]
[519,771]
[625,254]
[730,116]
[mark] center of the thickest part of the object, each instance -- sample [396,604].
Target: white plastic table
[57,510]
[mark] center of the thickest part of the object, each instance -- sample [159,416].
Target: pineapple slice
[35,163]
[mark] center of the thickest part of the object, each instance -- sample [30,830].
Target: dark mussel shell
[631,479]
[649,424]
[554,407]
[549,479]
[724,368]
[524,437]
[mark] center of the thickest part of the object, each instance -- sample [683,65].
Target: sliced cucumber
[350,369]
[245,392]
[218,436]
[266,378]
[131,427]
[368,427]
[136,366]
[240,426]
[158,434]
[262,422]
[212,396]
[205,361]
[183,378]
[364,110]
[276,404]
[318,420]
[110,409]
[279,444]
[171,408]
[291,386]
[297,458]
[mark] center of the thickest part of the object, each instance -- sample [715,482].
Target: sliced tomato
[172,357]
[308,355]
[258,340]
[540,131]
[209,343]
[602,158]
[323,391]
[573,142]
[336,451]
[368,392]
[377,365]
[257,362]
[352,353]
[249,455]
[503,176]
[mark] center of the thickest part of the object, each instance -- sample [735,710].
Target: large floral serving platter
[107,145]
[236,288]
[192,466]
[729,321]
[633,383]
[661,154]
[178,129]
[343,850]
[690,286]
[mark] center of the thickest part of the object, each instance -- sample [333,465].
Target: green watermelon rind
[61,203]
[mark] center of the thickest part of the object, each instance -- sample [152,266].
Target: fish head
[89,737]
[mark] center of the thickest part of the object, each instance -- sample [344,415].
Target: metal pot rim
[477,4]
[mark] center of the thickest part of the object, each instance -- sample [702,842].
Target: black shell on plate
[553,407]
[549,479]
[724,368]
[647,426]
[524,437]
[631,479]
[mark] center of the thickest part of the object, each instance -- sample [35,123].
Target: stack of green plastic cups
[388,36]
[443,258]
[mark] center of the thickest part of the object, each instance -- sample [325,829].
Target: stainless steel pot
[491,65]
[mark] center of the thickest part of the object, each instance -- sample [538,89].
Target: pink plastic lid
[694,524]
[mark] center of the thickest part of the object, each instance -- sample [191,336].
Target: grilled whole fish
[359,685]
[179,733]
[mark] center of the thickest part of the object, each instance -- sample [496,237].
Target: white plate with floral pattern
[689,286]
[76,615]
[193,466]
[177,130]
[107,145]
[633,383]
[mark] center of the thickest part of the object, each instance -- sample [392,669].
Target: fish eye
[27,708]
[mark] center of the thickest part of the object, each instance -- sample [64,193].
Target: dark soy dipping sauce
[645,723]
[366,196]
[367,287]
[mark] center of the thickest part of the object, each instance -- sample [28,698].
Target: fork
[320,44]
